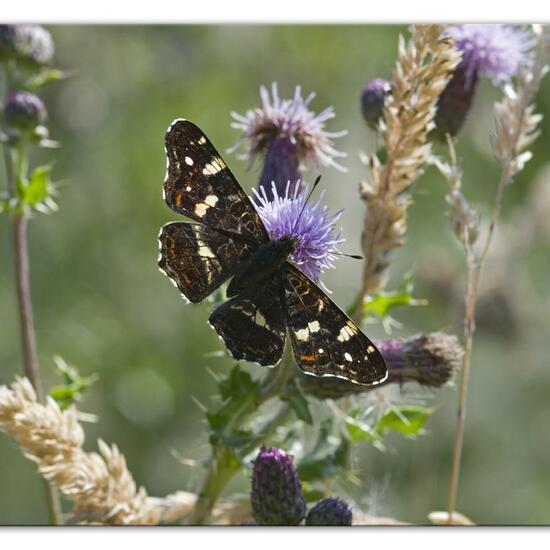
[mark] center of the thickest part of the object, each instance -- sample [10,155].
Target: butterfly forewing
[199,185]
[199,259]
[252,324]
[325,340]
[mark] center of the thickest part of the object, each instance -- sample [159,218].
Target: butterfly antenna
[318,179]
[354,256]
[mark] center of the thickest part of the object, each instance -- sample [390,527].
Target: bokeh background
[101,303]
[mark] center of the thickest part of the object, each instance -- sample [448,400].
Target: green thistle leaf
[408,420]
[380,304]
[298,403]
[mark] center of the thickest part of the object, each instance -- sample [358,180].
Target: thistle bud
[30,45]
[24,111]
[329,512]
[454,104]
[373,98]
[277,497]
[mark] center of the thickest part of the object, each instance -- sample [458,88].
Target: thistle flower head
[30,45]
[312,223]
[289,135]
[493,50]
[24,111]
[373,97]
[277,497]
[329,512]
[430,360]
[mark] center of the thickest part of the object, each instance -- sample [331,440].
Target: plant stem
[30,357]
[16,166]
[474,269]
[225,462]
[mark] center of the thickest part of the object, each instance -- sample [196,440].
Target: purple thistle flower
[277,497]
[373,97]
[289,135]
[331,512]
[488,50]
[493,50]
[315,227]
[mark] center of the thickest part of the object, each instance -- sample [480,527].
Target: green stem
[225,463]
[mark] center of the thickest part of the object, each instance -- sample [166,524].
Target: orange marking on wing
[307,358]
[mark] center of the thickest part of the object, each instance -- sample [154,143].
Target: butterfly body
[268,295]
[262,265]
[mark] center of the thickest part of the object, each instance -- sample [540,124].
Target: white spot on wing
[189,161]
[211,200]
[345,334]
[213,167]
[200,209]
[314,326]
[348,357]
[302,334]
[205,252]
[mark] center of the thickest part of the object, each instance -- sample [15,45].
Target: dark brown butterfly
[267,293]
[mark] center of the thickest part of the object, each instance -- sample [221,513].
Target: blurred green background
[101,303]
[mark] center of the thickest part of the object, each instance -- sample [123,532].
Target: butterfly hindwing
[325,340]
[252,324]
[199,259]
[199,185]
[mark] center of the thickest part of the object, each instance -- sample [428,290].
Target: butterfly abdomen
[262,265]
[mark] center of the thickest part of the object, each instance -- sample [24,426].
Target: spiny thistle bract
[277,497]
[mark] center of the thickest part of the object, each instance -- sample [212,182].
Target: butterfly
[267,294]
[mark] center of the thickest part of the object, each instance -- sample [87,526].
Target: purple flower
[373,97]
[329,512]
[314,227]
[289,135]
[24,111]
[493,50]
[488,50]
[277,497]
